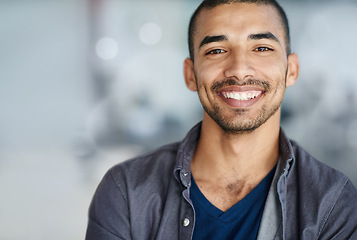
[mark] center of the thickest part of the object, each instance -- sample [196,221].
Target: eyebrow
[267,35]
[257,36]
[210,39]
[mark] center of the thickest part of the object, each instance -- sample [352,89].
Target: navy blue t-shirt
[241,221]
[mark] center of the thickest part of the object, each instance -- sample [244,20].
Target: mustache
[233,82]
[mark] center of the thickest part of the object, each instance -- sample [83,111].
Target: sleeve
[108,217]
[341,222]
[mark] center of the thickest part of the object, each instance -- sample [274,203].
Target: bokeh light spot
[150,33]
[106,48]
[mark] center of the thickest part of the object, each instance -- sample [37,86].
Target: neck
[244,157]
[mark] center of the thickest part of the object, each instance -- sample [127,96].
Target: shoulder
[134,195]
[162,156]
[132,179]
[147,167]
[315,176]
[316,172]
[325,194]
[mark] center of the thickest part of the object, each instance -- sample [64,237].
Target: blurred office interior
[86,84]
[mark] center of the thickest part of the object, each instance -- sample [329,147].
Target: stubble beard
[239,123]
[233,126]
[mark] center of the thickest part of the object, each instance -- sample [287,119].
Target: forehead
[238,20]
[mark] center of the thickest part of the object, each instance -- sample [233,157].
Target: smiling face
[241,68]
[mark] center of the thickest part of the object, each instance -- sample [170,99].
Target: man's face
[241,65]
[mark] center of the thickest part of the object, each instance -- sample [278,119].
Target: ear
[293,69]
[189,74]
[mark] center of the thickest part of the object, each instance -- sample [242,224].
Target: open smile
[241,98]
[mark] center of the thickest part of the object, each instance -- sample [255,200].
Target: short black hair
[209,4]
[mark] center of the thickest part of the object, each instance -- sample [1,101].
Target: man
[235,175]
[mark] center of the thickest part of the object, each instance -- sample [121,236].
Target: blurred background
[86,84]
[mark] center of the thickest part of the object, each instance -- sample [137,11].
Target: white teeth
[241,96]
[236,96]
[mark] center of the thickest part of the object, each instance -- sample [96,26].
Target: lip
[240,96]
[244,88]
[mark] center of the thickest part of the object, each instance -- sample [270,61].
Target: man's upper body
[240,65]
[240,69]
[149,198]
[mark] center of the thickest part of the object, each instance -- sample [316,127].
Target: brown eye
[262,49]
[215,51]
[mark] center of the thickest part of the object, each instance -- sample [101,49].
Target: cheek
[207,73]
[272,64]
[203,76]
[274,71]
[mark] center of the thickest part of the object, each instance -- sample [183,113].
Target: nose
[238,66]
